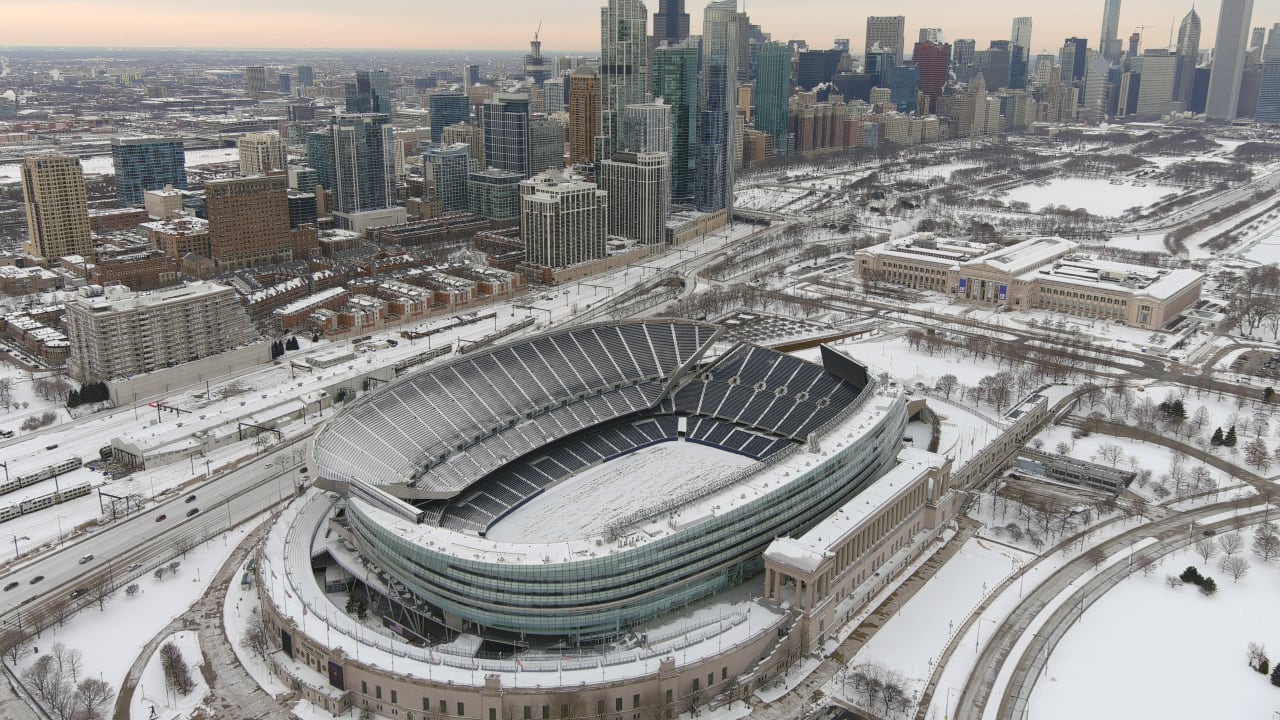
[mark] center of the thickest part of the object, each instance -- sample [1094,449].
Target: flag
[519,664]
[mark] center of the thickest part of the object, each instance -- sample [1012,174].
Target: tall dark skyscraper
[447,109]
[505,119]
[370,93]
[146,163]
[932,59]
[1110,45]
[1269,92]
[355,157]
[671,22]
[674,78]
[773,90]
[814,67]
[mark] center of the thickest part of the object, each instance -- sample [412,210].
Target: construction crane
[1141,29]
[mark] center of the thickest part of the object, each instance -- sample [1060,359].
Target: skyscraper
[1188,52]
[933,35]
[773,91]
[447,169]
[505,119]
[448,108]
[1228,59]
[718,107]
[887,32]
[880,63]
[57,208]
[255,80]
[1159,69]
[674,75]
[1269,91]
[1074,55]
[1110,44]
[470,75]
[146,163]
[563,220]
[814,67]
[546,144]
[306,76]
[248,220]
[624,54]
[355,156]
[646,127]
[260,152]
[639,187]
[963,51]
[1021,35]
[903,87]
[370,93]
[536,67]
[584,115]
[671,22]
[932,59]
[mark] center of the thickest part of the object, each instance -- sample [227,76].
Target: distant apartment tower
[671,22]
[773,94]
[563,220]
[248,221]
[470,75]
[471,135]
[1110,45]
[255,80]
[57,209]
[646,127]
[1228,59]
[963,52]
[306,76]
[813,67]
[1188,54]
[933,60]
[447,109]
[260,153]
[505,119]
[1072,59]
[370,93]
[146,163]
[584,115]
[639,188]
[718,111]
[355,157]
[1021,35]
[1268,110]
[447,169]
[494,194]
[674,78]
[887,32]
[624,55]
[1155,92]
[116,333]
[546,144]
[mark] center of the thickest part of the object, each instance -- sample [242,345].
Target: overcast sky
[567,25]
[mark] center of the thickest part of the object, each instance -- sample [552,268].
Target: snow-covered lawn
[585,504]
[1098,196]
[1146,650]
[894,356]
[152,693]
[111,639]
[914,638]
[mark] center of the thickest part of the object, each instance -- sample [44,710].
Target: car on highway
[11,586]
[161,517]
[134,566]
[36,579]
[190,498]
[192,512]
[77,593]
[86,558]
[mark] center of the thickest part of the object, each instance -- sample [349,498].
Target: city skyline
[566,27]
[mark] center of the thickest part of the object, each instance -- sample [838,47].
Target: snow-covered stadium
[593,479]
[637,515]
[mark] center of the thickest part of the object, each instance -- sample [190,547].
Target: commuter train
[35,504]
[28,479]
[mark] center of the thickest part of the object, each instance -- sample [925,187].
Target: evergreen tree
[73,398]
[277,349]
[1264,667]
[1216,440]
[292,344]
[1229,439]
[1208,586]
[1191,575]
[1268,394]
[1275,675]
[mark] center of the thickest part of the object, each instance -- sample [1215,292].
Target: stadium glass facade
[604,596]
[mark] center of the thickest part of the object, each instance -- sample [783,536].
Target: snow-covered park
[1097,195]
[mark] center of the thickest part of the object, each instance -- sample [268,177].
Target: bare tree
[1096,555]
[94,695]
[101,590]
[1235,566]
[1266,547]
[68,660]
[256,638]
[1173,580]
[1111,453]
[947,384]
[13,643]
[1145,563]
[1206,549]
[1231,543]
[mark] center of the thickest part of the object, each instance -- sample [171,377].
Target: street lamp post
[16,538]
[977,637]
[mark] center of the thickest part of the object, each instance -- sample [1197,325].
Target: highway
[130,547]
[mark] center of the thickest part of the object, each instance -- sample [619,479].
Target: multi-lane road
[129,547]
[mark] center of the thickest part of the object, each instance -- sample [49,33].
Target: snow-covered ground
[586,503]
[152,692]
[1097,195]
[1146,650]
[111,639]
[913,639]
[102,165]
